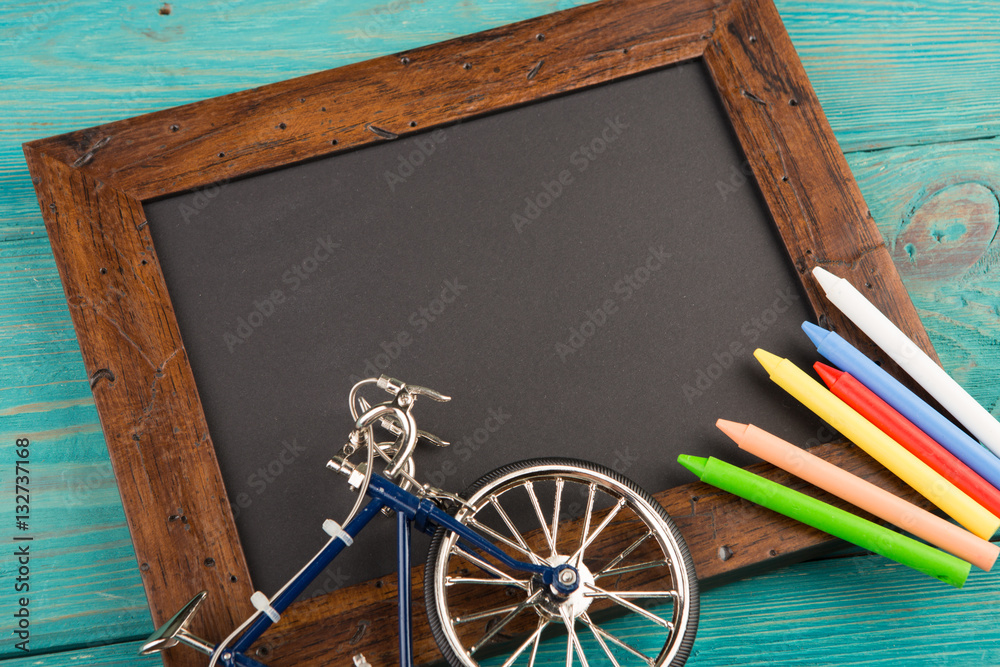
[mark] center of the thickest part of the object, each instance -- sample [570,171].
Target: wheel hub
[574,604]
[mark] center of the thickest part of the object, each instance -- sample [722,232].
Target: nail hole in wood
[174,128]
[333,142]
[793,102]
[144,567]
[466,65]
[404,60]
[209,562]
[103,271]
[753,38]
[233,578]
[540,37]
[413,123]
[281,126]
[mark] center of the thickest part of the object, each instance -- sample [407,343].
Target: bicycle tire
[452,597]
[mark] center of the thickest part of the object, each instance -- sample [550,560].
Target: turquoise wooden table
[912,90]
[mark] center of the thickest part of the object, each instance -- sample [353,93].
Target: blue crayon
[847,358]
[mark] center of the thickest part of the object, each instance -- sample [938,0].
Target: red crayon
[848,389]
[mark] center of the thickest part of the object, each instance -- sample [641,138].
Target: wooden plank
[854,610]
[133,60]
[123,654]
[900,72]
[91,184]
[937,208]
[83,578]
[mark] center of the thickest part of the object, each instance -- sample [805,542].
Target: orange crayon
[863,494]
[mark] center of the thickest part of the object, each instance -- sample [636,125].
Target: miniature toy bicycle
[546,557]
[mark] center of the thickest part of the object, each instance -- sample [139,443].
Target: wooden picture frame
[92,185]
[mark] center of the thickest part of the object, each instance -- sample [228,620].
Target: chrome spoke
[513,530]
[483,565]
[638,567]
[574,639]
[614,597]
[638,594]
[506,619]
[519,583]
[591,489]
[530,488]
[500,538]
[614,640]
[533,639]
[612,513]
[624,554]
[534,649]
[555,512]
[480,615]
[600,640]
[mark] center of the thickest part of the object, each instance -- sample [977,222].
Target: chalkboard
[603,210]
[587,276]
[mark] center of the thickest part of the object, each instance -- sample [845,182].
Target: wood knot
[947,231]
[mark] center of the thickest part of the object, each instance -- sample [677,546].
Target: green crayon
[829,519]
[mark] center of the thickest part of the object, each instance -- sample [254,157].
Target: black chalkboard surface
[586,276]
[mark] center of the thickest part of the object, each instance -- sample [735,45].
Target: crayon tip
[816,334]
[826,280]
[828,374]
[767,360]
[695,464]
[732,429]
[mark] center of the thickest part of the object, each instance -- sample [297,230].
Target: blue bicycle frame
[409,509]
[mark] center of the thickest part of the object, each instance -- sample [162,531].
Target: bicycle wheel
[638,598]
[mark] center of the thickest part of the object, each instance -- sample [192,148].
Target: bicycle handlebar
[409,435]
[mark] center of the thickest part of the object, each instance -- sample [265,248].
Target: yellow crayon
[879,446]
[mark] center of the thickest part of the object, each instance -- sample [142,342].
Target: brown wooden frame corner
[92,184]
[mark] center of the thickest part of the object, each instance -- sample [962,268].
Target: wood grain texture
[900,72]
[91,184]
[117,655]
[938,210]
[77,64]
